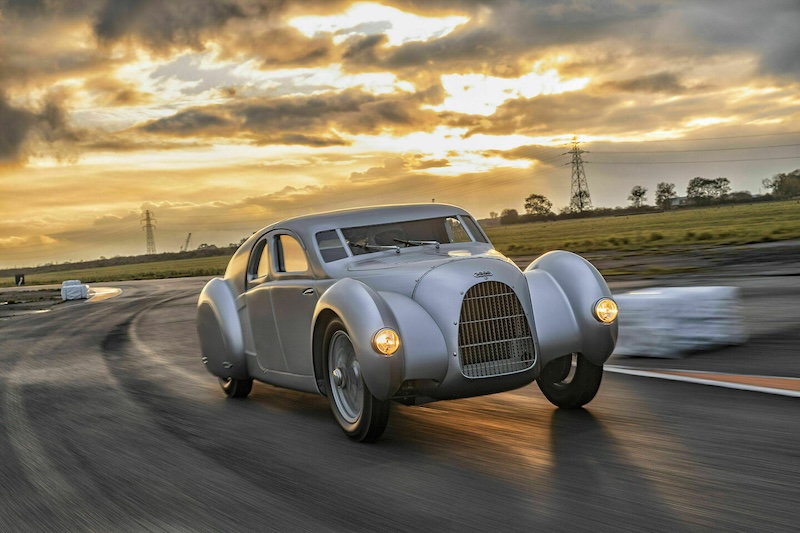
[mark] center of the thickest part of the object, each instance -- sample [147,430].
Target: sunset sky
[222,116]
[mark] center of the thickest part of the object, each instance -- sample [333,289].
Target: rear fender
[221,341]
[564,288]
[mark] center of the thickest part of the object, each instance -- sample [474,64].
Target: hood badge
[483,274]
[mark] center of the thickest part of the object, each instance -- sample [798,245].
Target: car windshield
[426,232]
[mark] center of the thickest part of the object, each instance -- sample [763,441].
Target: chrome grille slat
[493,333]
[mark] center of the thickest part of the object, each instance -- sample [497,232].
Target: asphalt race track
[111,423]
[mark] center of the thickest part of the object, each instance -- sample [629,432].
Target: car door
[294,294]
[260,310]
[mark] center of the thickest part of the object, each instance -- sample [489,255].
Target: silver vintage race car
[409,303]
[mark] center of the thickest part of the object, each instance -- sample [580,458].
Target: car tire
[570,381]
[361,415]
[236,388]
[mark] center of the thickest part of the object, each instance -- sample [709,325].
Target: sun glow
[706,121]
[366,18]
[479,94]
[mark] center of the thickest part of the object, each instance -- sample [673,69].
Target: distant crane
[186,246]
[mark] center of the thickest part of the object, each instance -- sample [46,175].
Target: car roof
[308,225]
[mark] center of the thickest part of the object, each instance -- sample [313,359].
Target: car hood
[413,273]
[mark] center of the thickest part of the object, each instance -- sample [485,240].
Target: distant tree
[637,196]
[509,216]
[705,191]
[784,185]
[700,190]
[721,187]
[493,214]
[665,192]
[536,204]
[740,196]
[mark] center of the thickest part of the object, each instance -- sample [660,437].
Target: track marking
[103,293]
[767,384]
[143,348]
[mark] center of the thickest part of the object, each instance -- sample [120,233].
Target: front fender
[363,312]
[220,332]
[564,288]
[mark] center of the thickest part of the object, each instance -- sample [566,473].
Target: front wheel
[570,381]
[361,415]
[236,388]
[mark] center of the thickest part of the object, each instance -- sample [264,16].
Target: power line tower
[148,223]
[579,196]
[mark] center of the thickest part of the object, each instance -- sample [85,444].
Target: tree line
[699,192]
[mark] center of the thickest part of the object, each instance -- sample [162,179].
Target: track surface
[111,423]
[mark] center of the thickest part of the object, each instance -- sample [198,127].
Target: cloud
[508,32]
[192,121]
[279,47]
[17,124]
[24,131]
[397,167]
[160,25]
[308,120]
[25,242]
[110,92]
[661,82]
[764,29]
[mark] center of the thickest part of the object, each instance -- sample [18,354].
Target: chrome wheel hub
[346,388]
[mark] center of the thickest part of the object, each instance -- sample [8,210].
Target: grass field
[654,233]
[203,266]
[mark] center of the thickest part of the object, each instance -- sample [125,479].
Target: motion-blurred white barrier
[73,289]
[668,322]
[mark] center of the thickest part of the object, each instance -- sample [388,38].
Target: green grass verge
[654,232]
[202,266]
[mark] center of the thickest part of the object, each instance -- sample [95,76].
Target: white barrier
[74,290]
[669,322]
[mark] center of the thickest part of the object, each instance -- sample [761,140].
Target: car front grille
[493,333]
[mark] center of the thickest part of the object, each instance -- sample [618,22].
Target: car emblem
[483,274]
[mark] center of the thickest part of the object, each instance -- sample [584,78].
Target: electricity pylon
[148,223]
[579,196]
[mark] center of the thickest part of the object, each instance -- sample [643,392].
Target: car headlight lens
[606,310]
[386,341]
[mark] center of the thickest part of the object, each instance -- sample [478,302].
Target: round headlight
[386,341]
[605,310]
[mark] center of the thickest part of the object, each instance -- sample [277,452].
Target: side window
[330,246]
[473,228]
[456,231]
[263,262]
[291,256]
[259,261]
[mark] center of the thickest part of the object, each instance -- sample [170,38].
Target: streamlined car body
[407,303]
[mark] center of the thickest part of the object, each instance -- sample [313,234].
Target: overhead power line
[692,139]
[697,150]
[689,162]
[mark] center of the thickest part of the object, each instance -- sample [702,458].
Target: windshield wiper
[365,246]
[416,243]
